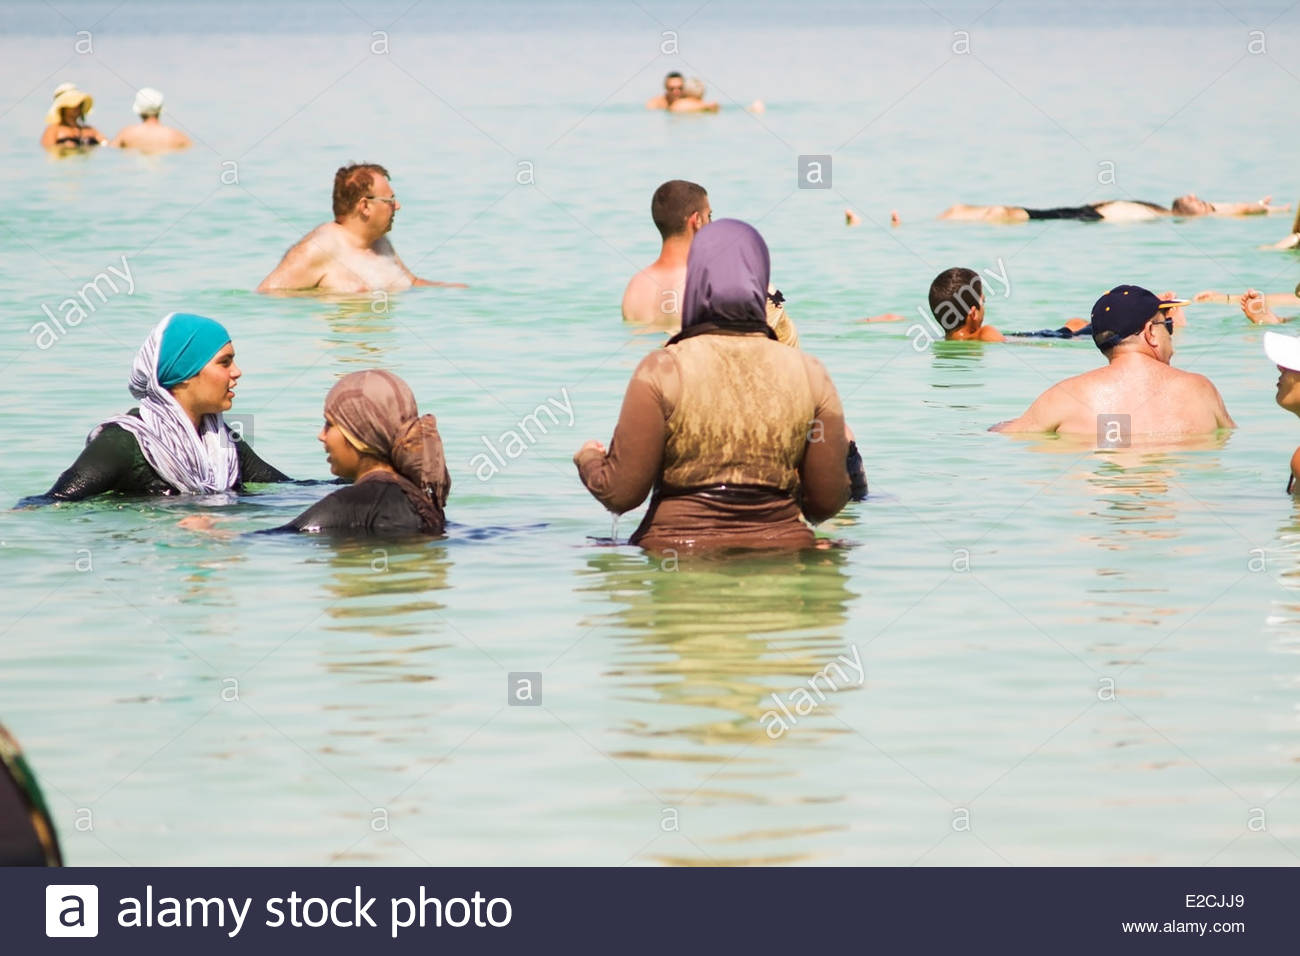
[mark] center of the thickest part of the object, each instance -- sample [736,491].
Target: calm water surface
[995,590]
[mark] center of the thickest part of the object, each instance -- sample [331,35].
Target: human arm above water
[303,267]
[621,477]
[823,475]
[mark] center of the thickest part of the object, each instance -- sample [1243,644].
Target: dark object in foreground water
[857,474]
[27,836]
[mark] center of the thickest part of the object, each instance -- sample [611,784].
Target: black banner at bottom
[201,910]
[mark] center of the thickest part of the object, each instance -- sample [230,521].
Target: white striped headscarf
[205,462]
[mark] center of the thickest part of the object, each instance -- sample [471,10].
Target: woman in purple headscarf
[740,437]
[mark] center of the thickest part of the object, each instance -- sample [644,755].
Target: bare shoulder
[1194,380]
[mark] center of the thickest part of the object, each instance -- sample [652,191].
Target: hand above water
[1255,307]
[592,445]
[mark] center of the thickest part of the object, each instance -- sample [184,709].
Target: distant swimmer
[65,130]
[352,254]
[1115,210]
[957,304]
[176,441]
[150,135]
[681,96]
[1284,352]
[653,296]
[715,426]
[1138,391]
[391,456]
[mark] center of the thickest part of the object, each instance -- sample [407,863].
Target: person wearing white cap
[65,130]
[1284,352]
[150,135]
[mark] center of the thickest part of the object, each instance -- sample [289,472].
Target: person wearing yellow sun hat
[65,128]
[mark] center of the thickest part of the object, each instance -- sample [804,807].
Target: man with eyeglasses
[352,254]
[1134,329]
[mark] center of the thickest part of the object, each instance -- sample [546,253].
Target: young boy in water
[957,303]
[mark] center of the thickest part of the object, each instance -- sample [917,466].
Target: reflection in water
[1136,500]
[725,634]
[957,366]
[383,589]
[362,327]
[1284,559]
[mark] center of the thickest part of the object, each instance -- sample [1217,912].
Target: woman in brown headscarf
[375,438]
[740,437]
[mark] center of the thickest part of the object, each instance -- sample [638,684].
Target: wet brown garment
[737,412]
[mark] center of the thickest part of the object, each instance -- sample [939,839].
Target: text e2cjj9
[1215,901]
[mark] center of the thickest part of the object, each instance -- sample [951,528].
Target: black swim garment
[113,461]
[375,506]
[1081,213]
[1064,332]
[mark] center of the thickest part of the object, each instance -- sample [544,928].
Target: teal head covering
[188,343]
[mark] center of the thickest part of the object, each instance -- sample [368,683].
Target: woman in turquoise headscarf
[176,441]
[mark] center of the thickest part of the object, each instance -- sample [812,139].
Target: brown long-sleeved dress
[738,435]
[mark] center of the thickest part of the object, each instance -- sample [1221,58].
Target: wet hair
[352,183]
[694,87]
[674,75]
[674,202]
[1186,206]
[953,293]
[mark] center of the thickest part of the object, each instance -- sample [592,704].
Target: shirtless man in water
[150,135]
[679,209]
[1114,210]
[653,296]
[351,254]
[1134,330]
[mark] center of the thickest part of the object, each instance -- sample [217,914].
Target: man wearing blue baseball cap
[1138,393]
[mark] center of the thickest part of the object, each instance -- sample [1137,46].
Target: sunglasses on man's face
[1167,322]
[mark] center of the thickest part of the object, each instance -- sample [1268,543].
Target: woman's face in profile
[1288,389]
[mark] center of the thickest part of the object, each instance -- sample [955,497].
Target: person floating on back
[1115,210]
[352,254]
[1138,393]
[150,135]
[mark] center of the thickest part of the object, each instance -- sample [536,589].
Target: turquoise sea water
[996,589]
